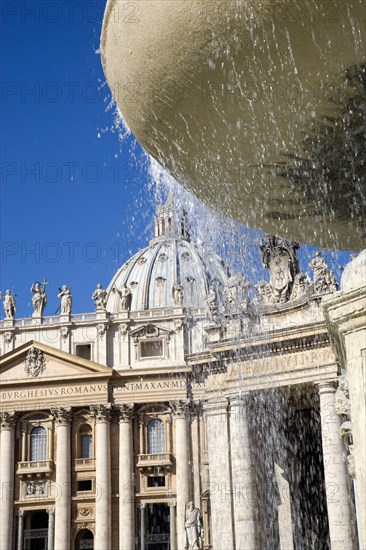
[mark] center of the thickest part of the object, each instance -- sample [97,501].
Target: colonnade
[232,479]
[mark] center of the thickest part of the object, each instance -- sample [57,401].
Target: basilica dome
[172,271]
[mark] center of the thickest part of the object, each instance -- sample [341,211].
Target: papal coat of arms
[35,362]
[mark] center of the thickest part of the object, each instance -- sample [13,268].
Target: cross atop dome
[168,223]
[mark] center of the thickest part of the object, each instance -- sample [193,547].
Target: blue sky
[68,193]
[75,202]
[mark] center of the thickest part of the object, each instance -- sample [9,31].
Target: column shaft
[142,526]
[126,482]
[7,480]
[222,535]
[103,507]
[63,480]
[243,488]
[182,468]
[51,528]
[173,526]
[341,529]
[20,529]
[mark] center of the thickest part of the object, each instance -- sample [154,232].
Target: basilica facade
[183,413]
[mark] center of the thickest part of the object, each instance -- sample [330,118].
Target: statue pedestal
[8,323]
[37,319]
[102,315]
[213,331]
[123,315]
[65,317]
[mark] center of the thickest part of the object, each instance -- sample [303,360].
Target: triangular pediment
[36,362]
[150,331]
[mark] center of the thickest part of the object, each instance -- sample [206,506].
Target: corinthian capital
[62,415]
[8,420]
[125,411]
[102,412]
[180,408]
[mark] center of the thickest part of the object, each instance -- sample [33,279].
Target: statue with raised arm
[324,279]
[236,293]
[178,294]
[100,298]
[125,297]
[66,300]
[9,305]
[39,298]
[193,527]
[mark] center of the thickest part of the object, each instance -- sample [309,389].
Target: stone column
[222,535]
[142,525]
[195,430]
[7,479]
[341,529]
[20,514]
[181,412]
[242,478]
[173,526]
[51,528]
[103,505]
[63,479]
[126,480]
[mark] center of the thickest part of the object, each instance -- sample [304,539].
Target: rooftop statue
[125,297]
[100,298]
[39,298]
[324,279]
[212,304]
[236,293]
[178,294]
[9,305]
[66,300]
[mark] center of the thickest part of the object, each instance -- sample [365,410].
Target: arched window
[86,441]
[84,540]
[38,444]
[155,437]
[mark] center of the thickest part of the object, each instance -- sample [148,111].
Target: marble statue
[100,298]
[39,299]
[178,294]
[125,296]
[236,293]
[66,300]
[324,279]
[9,305]
[211,302]
[193,527]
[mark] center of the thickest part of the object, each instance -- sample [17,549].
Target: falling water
[300,165]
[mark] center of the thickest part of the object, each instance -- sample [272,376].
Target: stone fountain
[249,104]
[258,108]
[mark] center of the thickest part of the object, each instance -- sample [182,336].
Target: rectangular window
[156,481]
[85,485]
[151,348]
[83,350]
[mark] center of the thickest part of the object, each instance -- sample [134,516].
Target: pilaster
[8,421]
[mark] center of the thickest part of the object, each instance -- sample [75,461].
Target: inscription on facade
[93,389]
